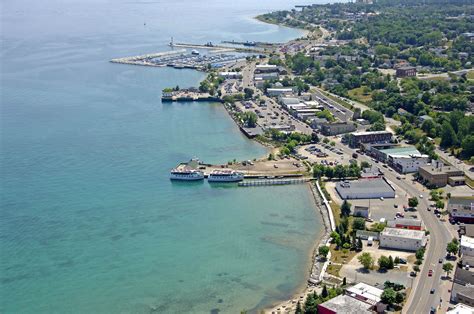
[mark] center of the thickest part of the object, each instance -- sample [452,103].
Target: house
[266,68]
[406,223]
[344,304]
[361,298]
[230,75]
[336,128]
[402,239]
[437,174]
[280,91]
[403,159]
[467,246]
[463,285]
[406,71]
[357,138]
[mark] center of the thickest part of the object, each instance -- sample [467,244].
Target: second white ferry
[226,175]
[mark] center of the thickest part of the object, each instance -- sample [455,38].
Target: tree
[344,281]
[336,238]
[298,310]
[399,298]
[420,253]
[323,251]
[383,262]
[366,260]
[448,267]
[416,268]
[391,264]
[248,93]
[440,204]
[467,146]
[413,202]
[324,293]
[388,296]
[345,208]
[358,223]
[452,247]
[359,244]
[250,119]
[448,136]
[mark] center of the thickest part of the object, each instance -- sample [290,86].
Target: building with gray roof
[365,189]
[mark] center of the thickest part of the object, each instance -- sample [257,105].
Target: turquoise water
[89,221]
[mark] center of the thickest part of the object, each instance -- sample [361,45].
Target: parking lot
[354,271]
[323,154]
[386,208]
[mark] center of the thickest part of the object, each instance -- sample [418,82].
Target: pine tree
[390,262]
[324,293]
[299,310]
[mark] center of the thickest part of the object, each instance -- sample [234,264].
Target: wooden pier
[272,182]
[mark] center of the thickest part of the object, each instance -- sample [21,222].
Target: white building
[280,91]
[467,246]
[365,293]
[404,159]
[461,207]
[230,75]
[402,239]
[461,309]
[265,68]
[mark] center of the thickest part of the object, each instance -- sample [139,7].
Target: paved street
[420,300]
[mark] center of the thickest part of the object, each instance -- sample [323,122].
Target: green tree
[452,247]
[250,119]
[467,146]
[358,223]
[399,298]
[359,244]
[391,264]
[413,202]
[388,296]
[448,136]
[324,293]
[366,260]
[345,208]
[248,93]
[298,310]
[439,204]
[420,253]
[323,251]
[383,262]
[448,267]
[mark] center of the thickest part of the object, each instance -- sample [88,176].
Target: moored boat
[227,175]
[186,174]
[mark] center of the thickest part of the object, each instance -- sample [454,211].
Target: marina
[181,59]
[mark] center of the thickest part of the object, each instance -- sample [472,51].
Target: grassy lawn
[336,211]
[470,75]
[334,270]
[358,94]
[338,256]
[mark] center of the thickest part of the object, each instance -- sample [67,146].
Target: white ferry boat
[186,174]
[227,175]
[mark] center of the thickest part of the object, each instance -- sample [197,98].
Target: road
[420,300]
[338,110]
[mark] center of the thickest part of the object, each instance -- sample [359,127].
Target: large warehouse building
[402,239]
[365,189]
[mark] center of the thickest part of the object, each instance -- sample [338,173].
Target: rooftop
[407,221]
[431,169]
[403,233]
[467,242]
[370,133]
[461,309]
[346,304]
[407,151]
[359,188]
[369,292]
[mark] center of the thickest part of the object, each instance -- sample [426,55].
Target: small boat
[195,52]
[226,175]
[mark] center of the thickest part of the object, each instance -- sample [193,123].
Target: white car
[421,195]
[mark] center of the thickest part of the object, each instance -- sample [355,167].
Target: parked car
[432,291]
[413,274]
[430,273]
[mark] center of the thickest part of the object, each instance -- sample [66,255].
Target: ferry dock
[272,182]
